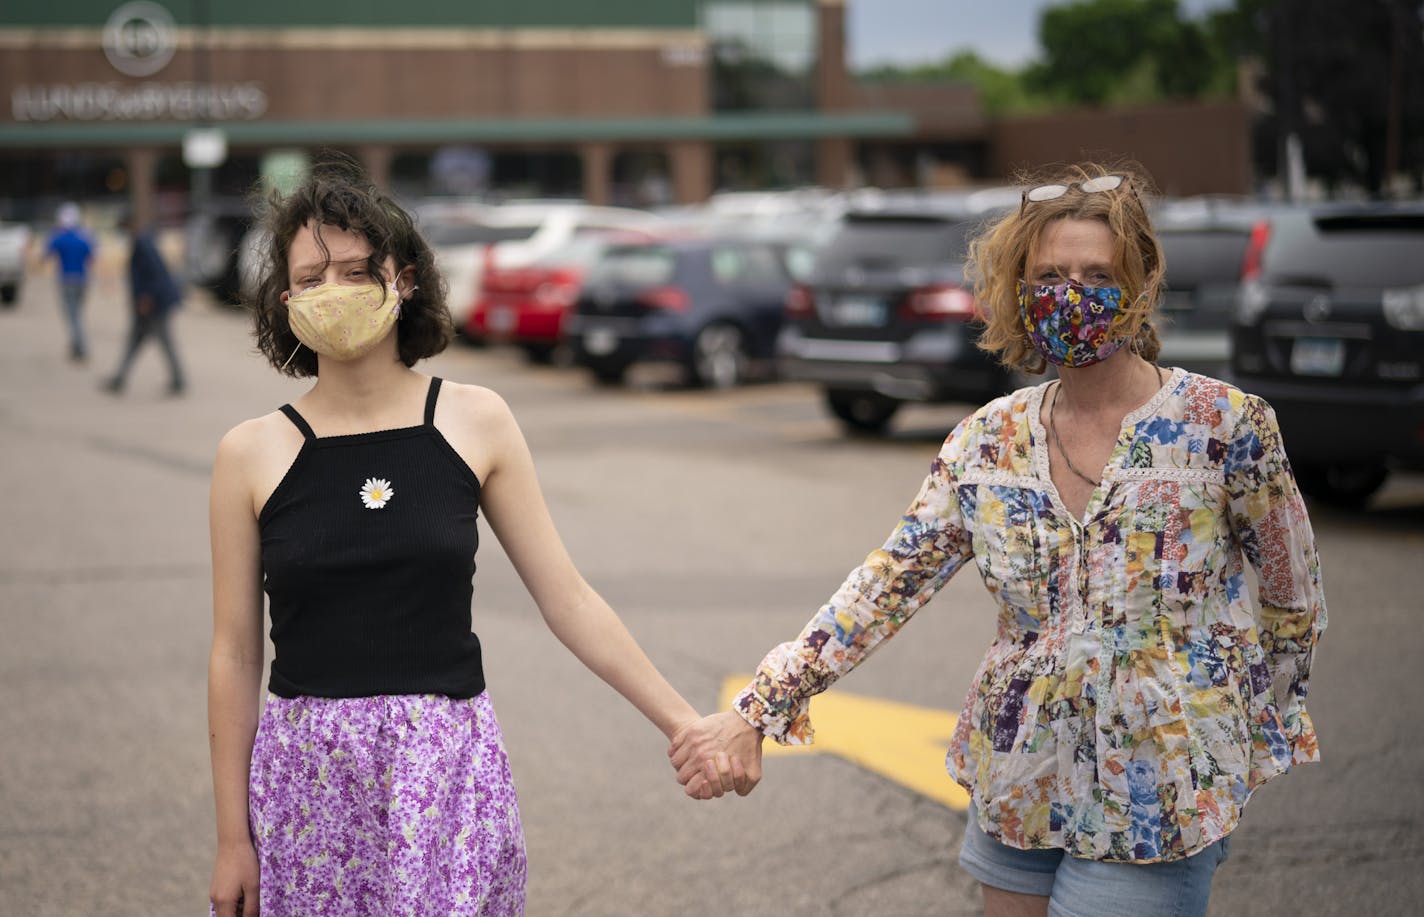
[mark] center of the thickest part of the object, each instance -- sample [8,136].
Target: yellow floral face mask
[342,321]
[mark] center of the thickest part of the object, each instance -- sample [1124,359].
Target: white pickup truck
[14,245]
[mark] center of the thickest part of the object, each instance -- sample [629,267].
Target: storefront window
[763,54]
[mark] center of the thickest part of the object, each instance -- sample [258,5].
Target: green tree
[1001,90]
[1348,80]
[1108,52]
[1097,52]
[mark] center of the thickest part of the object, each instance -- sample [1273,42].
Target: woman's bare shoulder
[255,431]
[476,405]
[479,425]
[259,438]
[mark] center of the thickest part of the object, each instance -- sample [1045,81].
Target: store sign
[141,102]
[140,38]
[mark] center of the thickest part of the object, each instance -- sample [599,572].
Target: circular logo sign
[140,38]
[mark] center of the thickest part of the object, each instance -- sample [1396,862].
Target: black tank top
[368,548]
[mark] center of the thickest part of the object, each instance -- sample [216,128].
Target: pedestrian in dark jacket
[154,295]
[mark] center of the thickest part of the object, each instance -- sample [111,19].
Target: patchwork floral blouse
[1131,701]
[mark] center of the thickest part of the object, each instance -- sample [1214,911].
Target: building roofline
[368,37]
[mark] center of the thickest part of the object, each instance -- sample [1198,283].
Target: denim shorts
[1093,888]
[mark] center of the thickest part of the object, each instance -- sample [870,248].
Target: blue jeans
[71,293]
[1093,888]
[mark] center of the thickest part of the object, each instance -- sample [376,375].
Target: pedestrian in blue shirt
[154,295]
[73,251]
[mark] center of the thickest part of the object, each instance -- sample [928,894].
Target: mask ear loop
[284,366]
[289,359]
[401,300]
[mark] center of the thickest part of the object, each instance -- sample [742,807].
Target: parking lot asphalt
[715,524]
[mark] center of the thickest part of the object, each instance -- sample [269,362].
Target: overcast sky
[1003,32]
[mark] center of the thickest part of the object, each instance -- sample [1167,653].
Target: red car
[526,305]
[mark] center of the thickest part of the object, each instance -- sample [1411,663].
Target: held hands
[717,754]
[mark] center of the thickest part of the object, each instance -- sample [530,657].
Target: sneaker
[113,386]
[176,389]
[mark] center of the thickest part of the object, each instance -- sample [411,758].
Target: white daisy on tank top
[376,493]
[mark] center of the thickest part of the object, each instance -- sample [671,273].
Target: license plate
[600,342]
[858,311]
[502,321]
[1318,357]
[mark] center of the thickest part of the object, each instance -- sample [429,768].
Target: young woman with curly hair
[374,780]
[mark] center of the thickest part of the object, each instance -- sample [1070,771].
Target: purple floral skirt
[390,805]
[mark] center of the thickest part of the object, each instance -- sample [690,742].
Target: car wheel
[719,356]
[1341,485]
[608,373]
[862,412]
[9,293]
[543,354]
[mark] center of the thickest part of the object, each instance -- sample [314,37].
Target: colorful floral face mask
[343,321]
[1070,324]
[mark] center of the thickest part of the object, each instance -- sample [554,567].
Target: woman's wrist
[228,840]
[679,718]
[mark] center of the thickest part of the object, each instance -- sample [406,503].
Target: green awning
[726,127]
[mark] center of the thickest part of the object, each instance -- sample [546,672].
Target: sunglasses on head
[1088,186]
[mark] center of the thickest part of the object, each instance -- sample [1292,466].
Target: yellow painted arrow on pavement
[901,742]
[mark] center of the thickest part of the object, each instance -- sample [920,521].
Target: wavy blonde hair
[998,256]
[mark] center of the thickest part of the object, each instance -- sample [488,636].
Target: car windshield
[894,242]
[1197,257]
[1366,250]
[583,252]
[644,266]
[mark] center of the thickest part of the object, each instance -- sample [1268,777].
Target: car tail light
[478,320]
[557,293]
[1252,299]
[1255,250]
[941,301]
[800,301]
[674,299]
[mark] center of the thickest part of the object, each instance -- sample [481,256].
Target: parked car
[1204,242]
[470,238]
[460,233]
[527,305]
[212,243]
[1329,329]
[711,306]
[885,316]
[14,244]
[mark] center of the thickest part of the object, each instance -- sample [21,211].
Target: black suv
[885,316]
[1330,330]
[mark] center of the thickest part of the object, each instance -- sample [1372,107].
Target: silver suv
[885,316]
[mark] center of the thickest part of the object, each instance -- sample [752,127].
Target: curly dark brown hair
[997,256]
[338,192]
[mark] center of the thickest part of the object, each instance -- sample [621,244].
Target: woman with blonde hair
[1132,699]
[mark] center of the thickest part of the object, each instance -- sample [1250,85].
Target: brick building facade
[624,101]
